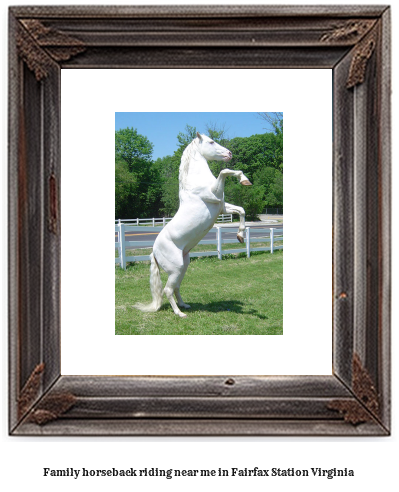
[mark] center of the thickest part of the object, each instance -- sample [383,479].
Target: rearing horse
[201,201]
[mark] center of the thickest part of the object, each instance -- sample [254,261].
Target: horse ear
[199,136]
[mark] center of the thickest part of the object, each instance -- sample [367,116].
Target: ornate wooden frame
[353,41]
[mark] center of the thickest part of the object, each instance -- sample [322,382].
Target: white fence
[164,220]
[146,222]
[270,235]
[225,218]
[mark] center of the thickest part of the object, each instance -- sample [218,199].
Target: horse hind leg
[175,263]
[172,284]
[180,302]
[179,299]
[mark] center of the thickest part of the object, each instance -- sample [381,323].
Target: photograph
[199,198]
[150,118]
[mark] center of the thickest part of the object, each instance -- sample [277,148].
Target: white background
[374,460]
[89,101]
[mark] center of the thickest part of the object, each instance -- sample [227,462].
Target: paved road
[150,236]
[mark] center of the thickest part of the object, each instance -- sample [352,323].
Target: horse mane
[185,163]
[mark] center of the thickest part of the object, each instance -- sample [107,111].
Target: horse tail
[156,289]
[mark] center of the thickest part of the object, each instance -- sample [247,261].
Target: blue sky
[162,128]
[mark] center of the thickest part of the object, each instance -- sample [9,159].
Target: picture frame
[352,41]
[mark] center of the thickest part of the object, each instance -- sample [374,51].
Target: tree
[271,180]
[168,169]
[276,121]
[125,186]
[187,137]
[133,164]
[248,197]
[260,157]
[217,132]
[144,188]
[134,149]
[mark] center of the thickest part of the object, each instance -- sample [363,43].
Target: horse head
[211,150]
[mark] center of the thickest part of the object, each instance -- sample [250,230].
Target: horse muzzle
[227,157]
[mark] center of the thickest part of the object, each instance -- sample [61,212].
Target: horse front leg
[235,209]
[218,187]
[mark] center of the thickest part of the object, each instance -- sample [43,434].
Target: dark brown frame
[353,41]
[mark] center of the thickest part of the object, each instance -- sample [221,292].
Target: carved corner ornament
[351,31]
[38,46]
[362,54]
[49,408]
[30,391]
[361,411]
[362,32]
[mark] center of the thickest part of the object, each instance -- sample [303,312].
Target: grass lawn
[233,296]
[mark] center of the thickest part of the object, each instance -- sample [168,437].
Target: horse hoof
[246,182]
[240,238]
[182,315]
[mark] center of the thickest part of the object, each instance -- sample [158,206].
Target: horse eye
[212,142]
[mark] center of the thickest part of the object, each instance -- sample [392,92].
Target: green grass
[233,296]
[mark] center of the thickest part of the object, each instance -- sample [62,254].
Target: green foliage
[255,152]
[147,188]
[187,137]
[125,187]
[137,183]
[169,174]
[134,149]
[260,158]
[271,180]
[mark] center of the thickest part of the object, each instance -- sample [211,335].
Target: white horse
[201,201]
